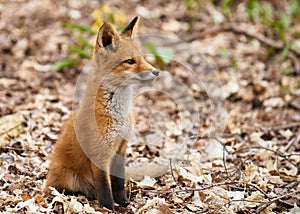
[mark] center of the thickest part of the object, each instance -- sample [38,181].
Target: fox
[89,155]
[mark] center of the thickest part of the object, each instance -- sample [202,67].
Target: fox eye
[130,61]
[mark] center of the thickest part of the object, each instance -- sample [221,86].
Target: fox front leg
[103,190]
[118,180]
[117,171]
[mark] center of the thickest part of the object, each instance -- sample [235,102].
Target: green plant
[294,9]
[279,21]
[188,4]
[225,7]
[281,25]
[162,54]
[234,65]
[224,53]
[192,4]
[286,90]
[253,9]
[284,70]
[80,47]
[286,49]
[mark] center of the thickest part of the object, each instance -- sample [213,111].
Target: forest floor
[232,148]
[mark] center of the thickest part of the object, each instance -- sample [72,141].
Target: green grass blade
[161,53]
[150,46]
[82,28]
[84,42]
[79,51]
[165,54]
[63,63]
[285,50]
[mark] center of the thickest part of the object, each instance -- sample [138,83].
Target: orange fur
[95,166]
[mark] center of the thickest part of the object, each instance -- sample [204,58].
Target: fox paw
[122,201]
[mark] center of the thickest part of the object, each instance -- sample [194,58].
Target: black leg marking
[118,180]
[103,190]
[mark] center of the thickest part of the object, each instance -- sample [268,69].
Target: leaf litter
[253,167]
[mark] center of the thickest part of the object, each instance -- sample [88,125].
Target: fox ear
[131,29]
[107,36]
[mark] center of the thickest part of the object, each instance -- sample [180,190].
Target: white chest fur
[119,104]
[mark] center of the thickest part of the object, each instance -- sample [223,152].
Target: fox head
[119,58]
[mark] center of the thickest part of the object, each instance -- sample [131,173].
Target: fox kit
[91,160]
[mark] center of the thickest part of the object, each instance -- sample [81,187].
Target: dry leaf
[75,206]
[274,102]
[147,182]
[11,126]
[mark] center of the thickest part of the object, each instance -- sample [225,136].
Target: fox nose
[155,72]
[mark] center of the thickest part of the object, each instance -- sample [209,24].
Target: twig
[208,187]
[172,173]
[224,163]
[286,204]
[240,30]
[290,186]
[258,147]
[264,206]
[10,129]
[208,31]
[245,200]
[295,61]
[257,188]
[289,144]
[224,158]
[129,189]
[268,149]
[284,126]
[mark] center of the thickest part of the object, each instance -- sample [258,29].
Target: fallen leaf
[274,102]
[75,206]
[11,126]
[147,182]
